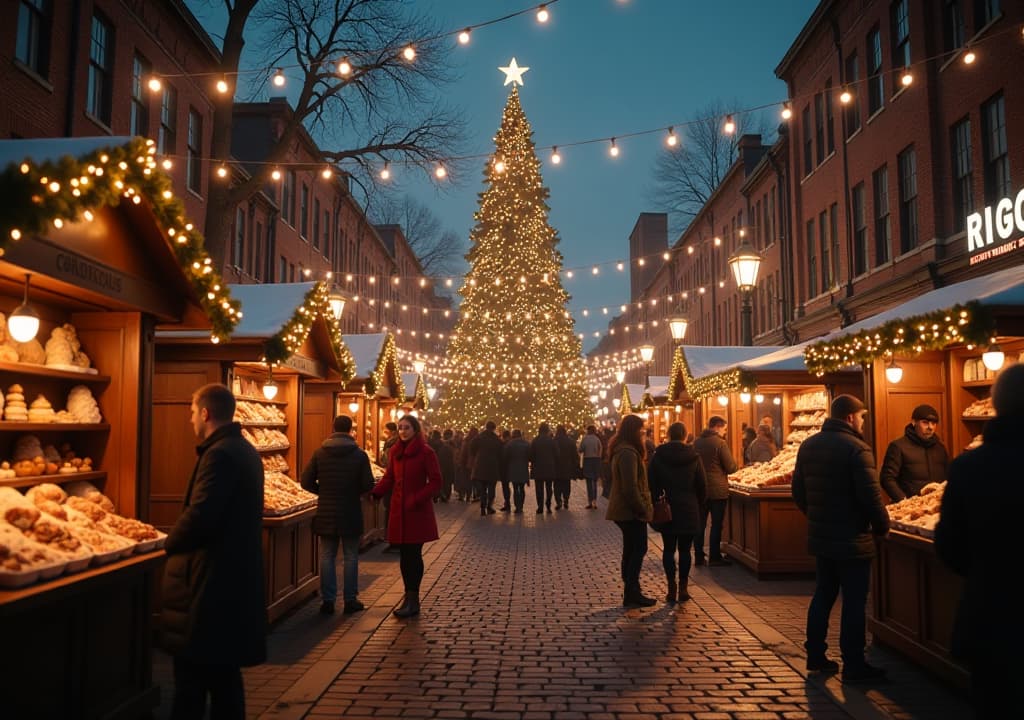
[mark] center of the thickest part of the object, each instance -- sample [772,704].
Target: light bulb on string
[409,53]
[555,157]
[344,67]
[542,14]
[730,125]
[672,140]
[893,372]
[787,110]
[154,84]
[385,172]
[326,173]
[614,149]
[222,171]
[222,86]
[278,78]
[440,172]
[906,78]
[845,96]
[464,37]
[969,57]
[275,174]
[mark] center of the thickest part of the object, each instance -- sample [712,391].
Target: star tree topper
[513,73]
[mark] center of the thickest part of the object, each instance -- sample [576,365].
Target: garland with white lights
[37,196]
[718,383]
[971,324]
[388,357]
[290,338]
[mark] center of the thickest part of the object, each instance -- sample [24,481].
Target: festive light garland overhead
[41,196]
[970,324]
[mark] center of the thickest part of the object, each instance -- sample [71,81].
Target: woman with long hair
[629,505]
[413,477]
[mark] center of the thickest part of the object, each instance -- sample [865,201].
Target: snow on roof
[635,393]
[657,386]
[365,349]
[41,150]
[411,383]
[704,360]
[787,358]
[266,308]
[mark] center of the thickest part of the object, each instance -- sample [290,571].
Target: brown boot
[670,596]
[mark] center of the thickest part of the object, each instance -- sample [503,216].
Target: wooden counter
[767,533]
[79,646]
[913,602]
[291,561]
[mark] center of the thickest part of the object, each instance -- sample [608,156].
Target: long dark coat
[568,457]
[486,452]
[445,459]
[339,472]
[718,463]
[413,478]
[213,606]
[515,461]
[676,470]
[543,458]
[911,463]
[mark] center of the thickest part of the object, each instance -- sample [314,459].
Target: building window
[194,161]
[963,175]
[900,39]
[808,141]
[833,227]
[288,198]
[876,82]
[830,120]
[819,126]
[860,232]
[316,223]
[985,11]
[304,210]
[32,46]
[997,159]
[853,83]
[327,234]
[282,270]
[826,252]
[908,199]
[771,217]
[812,262]
[237,258]
[883,230]
[139,119]
[952,26]
[167,138]
[101,69]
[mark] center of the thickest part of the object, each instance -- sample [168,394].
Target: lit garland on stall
[290,338]
[720,383]
[419,396]
[625,406]
[505,323]
[388,358]
[38,196]
[970,325]
[677,372]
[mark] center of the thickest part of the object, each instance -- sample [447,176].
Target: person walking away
[568,467]
[213,617]
[506,489]
[980,513]
[543,466]
[486,453]
[466,466]
[339,474]
[515,467]
[763,448]
[718,464]
[413,477]
[916,459]
[441,445]
[590,449]
[606,468]
[649,444]
[677,472]
[629,505]
[835,485]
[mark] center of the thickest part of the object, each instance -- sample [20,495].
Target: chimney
[750,151]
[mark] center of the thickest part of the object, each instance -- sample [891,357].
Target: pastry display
[8,351]
[980,409]
[266,438]
[31,352]
[41,411]
[283,496]
[918,514]
[247,411]
[87,491]
[15,409]
[82,405]
[377,471]
[809,419]
[811,401]
[63,349]
[275,463]
[975,442]
[776,473]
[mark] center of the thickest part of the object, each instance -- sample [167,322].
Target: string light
[906,78]
[555,157]
[344,67]
[222,171]
[613,150]
[409,53]
[464,37]
[671,140]
[542,14]
[385,174]
[275,175]
[787,111]
[222,86]
[326,173]
[969,57]
[440,172]
[154,84]
[845,96]
[278,78]
[730,125]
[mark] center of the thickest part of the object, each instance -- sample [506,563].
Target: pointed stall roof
[415,389]
[710,370]
[632,398]
[376,362]
[657,390]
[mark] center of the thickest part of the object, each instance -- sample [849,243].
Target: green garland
[720,383]
[388,357]
[290,338]
[970,324]
[624,405]
[38,196]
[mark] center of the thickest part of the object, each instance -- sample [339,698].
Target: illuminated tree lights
[38,196]
[507,324]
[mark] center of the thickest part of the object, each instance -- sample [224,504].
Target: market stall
[632,400]
[655,403]
[285,362]
[415,393]
[940,349]
[94,223]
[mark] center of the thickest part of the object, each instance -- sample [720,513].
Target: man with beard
[916,459]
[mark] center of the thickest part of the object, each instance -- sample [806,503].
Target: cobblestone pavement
[522,619]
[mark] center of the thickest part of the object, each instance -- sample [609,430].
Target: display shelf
[977,418]
[250,398]
[262,423]
[53,427]
[978,383]
[48,372]
[274,448]
[58,479]
[805,425]
[816,408]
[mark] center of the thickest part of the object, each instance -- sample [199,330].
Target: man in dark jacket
[543,466]
[568,467]
[718,464]
[916,459]
[836,487]
[442,447]
[486,451]
[213,616]
[339,472]
[980,515]
[515,467]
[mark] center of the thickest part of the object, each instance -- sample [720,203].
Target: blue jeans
[329,570]
[591,469]
[853,577]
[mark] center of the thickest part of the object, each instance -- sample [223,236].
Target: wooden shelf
[53,427]
[249,398]
[803,410]
[276,448]
[30,480]
[247,423]
[977,418]
[979,383]
[43,371]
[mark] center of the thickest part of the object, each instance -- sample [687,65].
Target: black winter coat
[486,453]
[980,517]
[568,457]
[515,461]
[835,486]
[911,463]
[676,470]
[543,458]
[213,606]
[445,458]
[339,472]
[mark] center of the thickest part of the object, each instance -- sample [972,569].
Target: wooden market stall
[110,254]
[289,327]
[655,402]
[632,399]
[415,394]
[942,337]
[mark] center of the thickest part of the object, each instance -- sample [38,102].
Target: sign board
[996,230]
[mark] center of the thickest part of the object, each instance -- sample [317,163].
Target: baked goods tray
[913,529]
[267,512]
[757,490]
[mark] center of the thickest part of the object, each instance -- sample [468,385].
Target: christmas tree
[513,357]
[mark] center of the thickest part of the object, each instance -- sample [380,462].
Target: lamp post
[337,302]
[677,325]
[647,354]
[745,263]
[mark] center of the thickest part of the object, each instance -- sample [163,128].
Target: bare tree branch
[438,249]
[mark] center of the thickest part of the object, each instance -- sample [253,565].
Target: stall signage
[990,232]
[306,366]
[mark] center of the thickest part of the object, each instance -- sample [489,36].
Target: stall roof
[657,387]
[415,388]
[42,150]
[373,354]
[366,351]
[635,394]
[704,360]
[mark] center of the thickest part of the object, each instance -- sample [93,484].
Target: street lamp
[620,376]
[745,263]
[431,392]
[418,366]
[678,326]
[647,354]
[337,303]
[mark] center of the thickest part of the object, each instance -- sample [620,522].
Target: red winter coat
[413,478]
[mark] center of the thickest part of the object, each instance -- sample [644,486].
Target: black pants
[518,495]
[634,547]
[486,489]
[716,509]
[540,488]
[853,577]
[194,681]
[563,487]
[669,543]
[506,491]
[410,562]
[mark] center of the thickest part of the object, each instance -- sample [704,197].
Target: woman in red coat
[413,477]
